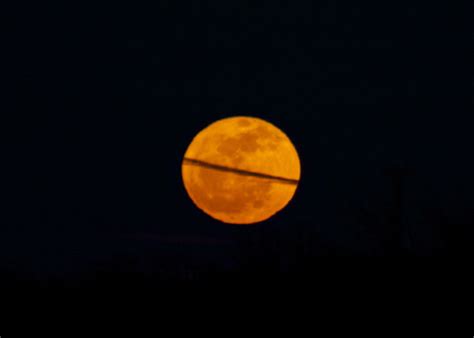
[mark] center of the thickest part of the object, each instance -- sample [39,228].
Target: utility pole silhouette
[397,230]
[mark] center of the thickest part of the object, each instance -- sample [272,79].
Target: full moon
[241,170]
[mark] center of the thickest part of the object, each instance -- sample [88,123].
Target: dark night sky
[105,100]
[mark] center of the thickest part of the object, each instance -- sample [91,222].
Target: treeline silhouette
[290,250]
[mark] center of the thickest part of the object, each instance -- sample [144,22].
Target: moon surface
[241,170]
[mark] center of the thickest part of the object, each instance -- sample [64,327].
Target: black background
[101,103]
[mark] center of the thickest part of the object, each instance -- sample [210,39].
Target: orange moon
[241,170]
